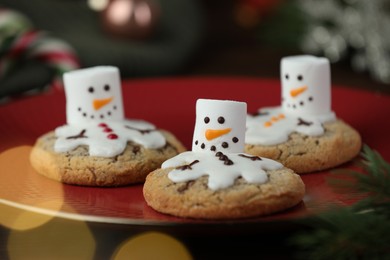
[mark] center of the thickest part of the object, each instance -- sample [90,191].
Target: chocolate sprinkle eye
[301,103]
[79,109]
[101,116]
[203,146]
[235,139]
[196,142]
[106,87]
[114,107]
[206,120]
[84,114]
[286,76]
[225,145]
[300,77]
[109,113]
[310,98]
[91,90]
[221,120]
[213,148]
[92,116]
[294,106]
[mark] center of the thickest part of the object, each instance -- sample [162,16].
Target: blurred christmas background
[41,39]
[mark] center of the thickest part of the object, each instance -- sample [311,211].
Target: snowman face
[220,126]
[305,85]
[93,94]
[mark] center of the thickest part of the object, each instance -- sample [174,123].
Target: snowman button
[112,136]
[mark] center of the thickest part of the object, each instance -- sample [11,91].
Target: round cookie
[302,153]
[194,199]
[216,180]
[78,167]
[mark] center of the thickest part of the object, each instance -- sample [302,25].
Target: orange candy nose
[99,103]
[297,91]
[211,134]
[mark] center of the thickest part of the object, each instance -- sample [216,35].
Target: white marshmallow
[220,126]
[93,94]
[306,86]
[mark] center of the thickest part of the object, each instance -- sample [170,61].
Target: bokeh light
[98,5]
[23,204]
[17,217]
[143,14]
[57,239]
[120,11]
[152,245]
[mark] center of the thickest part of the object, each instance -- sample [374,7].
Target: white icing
[97,136]
[220,175]
[226,122]
[259,133]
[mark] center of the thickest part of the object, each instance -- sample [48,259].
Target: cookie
[216,179]
[98,146]
[304,154]
[194,199]
[78,167]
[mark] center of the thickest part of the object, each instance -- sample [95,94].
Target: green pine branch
[361,231]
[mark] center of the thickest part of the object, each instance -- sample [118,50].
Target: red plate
[170,104]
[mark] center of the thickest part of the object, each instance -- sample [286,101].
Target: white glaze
[258,133]
[220,175]
[99,142]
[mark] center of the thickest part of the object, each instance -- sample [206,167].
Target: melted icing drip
[108,139]
[220,175]
[275,129]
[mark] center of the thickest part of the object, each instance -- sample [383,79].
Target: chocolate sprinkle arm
[253,158]
[303,122]
[187,166]
[80,135]
[146,131]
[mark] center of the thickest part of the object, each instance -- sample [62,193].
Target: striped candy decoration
[19,41]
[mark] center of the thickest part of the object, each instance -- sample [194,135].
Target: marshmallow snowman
[219,126]
[305,85]
[95,115]
[217,149]
[306,103]
[93,94]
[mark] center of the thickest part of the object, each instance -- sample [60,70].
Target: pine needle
[361,231]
